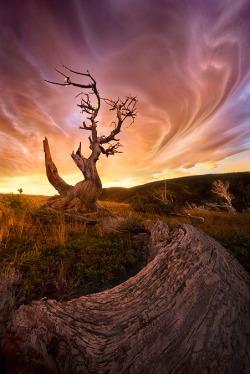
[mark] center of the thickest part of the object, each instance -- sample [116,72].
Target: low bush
[133,225]
[148,203]
[17,203]
[238,244]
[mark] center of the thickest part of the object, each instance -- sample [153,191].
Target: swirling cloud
[188,62]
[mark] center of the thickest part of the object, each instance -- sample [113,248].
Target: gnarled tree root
[103,216]
[186,312]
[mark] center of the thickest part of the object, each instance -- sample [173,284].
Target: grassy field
[231,230]
[214,222]
[57,259]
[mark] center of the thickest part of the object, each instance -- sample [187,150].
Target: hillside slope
[194,189]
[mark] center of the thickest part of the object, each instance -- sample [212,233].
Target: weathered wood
[186,312]
[83,196]
[52,173]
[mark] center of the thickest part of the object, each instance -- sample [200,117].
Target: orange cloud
[188,64]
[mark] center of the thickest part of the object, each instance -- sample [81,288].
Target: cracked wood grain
[187,312]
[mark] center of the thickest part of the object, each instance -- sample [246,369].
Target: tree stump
[186,312]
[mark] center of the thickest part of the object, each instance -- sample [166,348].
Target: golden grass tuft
[214,222]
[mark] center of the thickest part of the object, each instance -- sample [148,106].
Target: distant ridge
[195,189]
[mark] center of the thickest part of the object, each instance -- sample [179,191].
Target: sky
[187,61]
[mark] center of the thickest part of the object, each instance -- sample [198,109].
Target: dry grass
[36,200]
[117,208]
[52,255]
[217,222]
[231,230]
[9,280]
[214,222]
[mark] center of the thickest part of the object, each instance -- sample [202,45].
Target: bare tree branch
[111,150]
[86,104]
[69,82]
[162,197]
[222,189]
[123,110]
[54,178]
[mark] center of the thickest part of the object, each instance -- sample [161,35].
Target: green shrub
[132,225]
[45,216]
[17,203]
[147,203]
[103,260]
[238,244]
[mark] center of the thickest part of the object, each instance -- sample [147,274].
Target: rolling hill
[193,189]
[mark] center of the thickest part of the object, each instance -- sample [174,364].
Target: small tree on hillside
[82,197]
[20,190]
[221,189]
[171,208]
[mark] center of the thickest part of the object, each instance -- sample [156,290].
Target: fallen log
[186,312]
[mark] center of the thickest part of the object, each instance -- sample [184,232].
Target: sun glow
[192,88]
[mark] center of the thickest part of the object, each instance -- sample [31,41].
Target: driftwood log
[186,312]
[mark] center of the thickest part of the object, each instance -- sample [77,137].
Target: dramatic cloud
[187,61]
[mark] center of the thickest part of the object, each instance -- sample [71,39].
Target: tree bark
[52,173]
[82,197]
[186,312]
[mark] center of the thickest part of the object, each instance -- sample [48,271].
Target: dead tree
[83,197]
[186,312]
[163,198]
[221,189]
[162,195]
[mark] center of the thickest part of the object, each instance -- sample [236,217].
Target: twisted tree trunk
[82,198]
[186,312]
